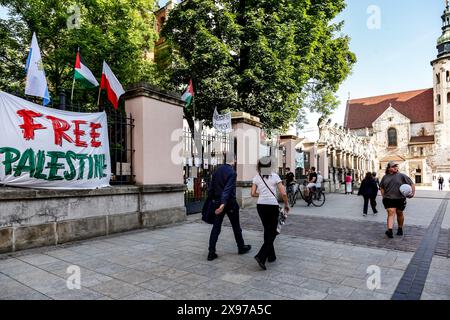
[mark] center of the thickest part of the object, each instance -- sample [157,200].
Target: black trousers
[373,203]
[269,217]
[233,214]
[440,186]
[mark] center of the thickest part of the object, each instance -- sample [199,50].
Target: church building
[412,128]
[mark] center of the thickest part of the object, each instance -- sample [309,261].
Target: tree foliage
[118,31]
[270,58]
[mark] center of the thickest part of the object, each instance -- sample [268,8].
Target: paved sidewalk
[170,263]
[323,253]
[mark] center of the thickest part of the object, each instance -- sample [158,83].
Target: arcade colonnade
[336,153]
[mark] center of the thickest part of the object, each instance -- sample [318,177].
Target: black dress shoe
[262,265]
[212,256]
[245,249]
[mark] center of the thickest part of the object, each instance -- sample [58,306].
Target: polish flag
[112,85]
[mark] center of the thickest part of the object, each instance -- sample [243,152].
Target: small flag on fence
[83,75]
[112,85]
[36,82]
[188,95]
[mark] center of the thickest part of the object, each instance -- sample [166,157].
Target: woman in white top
[265,185]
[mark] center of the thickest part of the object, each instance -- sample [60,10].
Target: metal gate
[203,154]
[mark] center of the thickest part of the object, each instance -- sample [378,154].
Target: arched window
[392,137]
[438,99]
[438,78]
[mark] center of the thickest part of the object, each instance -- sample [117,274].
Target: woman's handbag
[281,220]
[281,214]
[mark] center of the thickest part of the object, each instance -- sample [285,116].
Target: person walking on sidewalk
[265,185]
[393,200]
[369,191]
[348,184]
[374,175]
[441,182]
[223,191]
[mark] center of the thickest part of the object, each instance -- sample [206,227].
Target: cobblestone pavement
[319,256]
[366,233]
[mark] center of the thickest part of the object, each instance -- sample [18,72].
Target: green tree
[270,58]
[118,31]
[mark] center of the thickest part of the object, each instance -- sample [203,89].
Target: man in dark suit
[223,190]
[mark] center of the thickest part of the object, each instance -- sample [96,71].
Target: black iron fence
[120,133]
[204,154]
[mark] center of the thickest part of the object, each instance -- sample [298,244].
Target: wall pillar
[323,161]
[290,142]
[247,135]
[158,159]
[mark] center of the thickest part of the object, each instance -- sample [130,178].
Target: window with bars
[392,137]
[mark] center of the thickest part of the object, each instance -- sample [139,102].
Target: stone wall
[31,218]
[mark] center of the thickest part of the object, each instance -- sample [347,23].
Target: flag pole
[99,92]
[193,104]
[73,83]
[193,95]
[100,85]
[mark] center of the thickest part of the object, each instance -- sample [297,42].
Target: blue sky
[2,12]
[396,57]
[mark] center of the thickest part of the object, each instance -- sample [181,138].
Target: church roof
[416,105]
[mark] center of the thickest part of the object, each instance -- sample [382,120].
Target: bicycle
[316,197]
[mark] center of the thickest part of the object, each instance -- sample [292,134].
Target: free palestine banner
[52,149]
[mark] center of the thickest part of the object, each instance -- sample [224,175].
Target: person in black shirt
[441,182]
[289,180]
[312,178]
[374,176]
[223,190]
[369,190]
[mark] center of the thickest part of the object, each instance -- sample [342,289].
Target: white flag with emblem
[36,82]
[222,123]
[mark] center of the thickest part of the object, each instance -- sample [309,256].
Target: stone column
[158,158]
[425,178]
[246,131]
[345,160]
[313,159]
[290,142]
[323,161]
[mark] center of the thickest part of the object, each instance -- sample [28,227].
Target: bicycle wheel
[291,198]
[318,199]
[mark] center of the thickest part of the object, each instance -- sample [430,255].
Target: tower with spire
[441,90]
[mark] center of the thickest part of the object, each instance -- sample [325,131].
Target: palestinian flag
[83,75]
[188,95]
